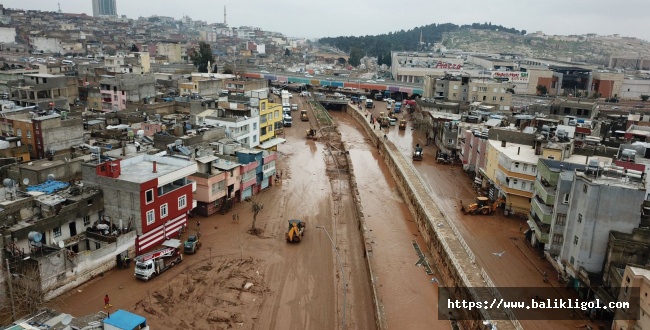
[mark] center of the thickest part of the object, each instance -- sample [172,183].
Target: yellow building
[512,168]
[270,124]
[635,285]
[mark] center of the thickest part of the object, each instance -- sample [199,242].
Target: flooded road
[294,286]
[521,265]
[405,290]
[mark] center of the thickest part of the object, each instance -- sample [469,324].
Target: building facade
[104,8]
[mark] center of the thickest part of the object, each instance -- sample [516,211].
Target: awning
[271,143]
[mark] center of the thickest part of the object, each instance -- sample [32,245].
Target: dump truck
[383,120]
[153,263]
[295,231]
[192,244]
[482,206]
[303,115]
[418,152]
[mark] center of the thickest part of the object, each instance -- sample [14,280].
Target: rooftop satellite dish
[67,318]
[61,244]
[8,183]
[50,177]
[26,181]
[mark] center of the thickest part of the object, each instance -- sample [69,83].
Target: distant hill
[381,45]
[490,38]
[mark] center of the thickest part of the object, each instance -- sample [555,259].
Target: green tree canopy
[201,57]
[355,56]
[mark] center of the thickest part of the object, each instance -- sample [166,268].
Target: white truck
[153,263]
[286,97]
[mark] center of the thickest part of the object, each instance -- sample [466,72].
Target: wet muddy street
[407,294]
[295,286]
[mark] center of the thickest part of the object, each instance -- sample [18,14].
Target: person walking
[198,224]
[107,302]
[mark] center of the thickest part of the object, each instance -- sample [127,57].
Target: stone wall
[449,252]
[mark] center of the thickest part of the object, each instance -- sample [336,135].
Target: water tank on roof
[178,143]
[628,154]
[94,150]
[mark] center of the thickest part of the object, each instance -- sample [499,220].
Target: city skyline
[314,19]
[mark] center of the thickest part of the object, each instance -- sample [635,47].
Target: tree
[201,57]
[134,48]
[228,69]
[256,208]
[541,90]
[644,97]
[355,56]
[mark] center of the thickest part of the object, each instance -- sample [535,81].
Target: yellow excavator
[296,230]
[481,206]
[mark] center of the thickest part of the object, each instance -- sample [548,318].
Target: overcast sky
[314,19]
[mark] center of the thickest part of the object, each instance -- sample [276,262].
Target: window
[89,202]
[584,188]
[29,134]
[57,231]
[254,138]
[148,195]
[163,211]
[560,220]
[151,217]
[572,260]
[87,220]
[565,200]
[182,202]
[254,126]
[558,238]
[514,182]
[525,167]
[494,98]
[575,240]
[579,218]
[516,165]
[19,133]
[455,87]
[277,114]
[523,186]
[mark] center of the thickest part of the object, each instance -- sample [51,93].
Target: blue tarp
[49,187]
[125,320]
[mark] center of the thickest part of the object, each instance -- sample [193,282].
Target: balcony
[180,183]
[546,193]
[541,229]
[518,175]
[542,210]
[505,187]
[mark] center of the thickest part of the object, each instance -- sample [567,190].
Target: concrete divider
[450,254]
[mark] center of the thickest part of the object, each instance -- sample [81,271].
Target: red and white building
[148,193]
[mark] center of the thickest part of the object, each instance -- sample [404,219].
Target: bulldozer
[402,125]
[481,206]
[311,133]
[296,230]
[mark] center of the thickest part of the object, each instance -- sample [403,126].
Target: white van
[294,107]
[67,62]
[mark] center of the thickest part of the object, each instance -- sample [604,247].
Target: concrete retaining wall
[450,254]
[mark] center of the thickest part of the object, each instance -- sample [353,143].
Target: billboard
[517,77]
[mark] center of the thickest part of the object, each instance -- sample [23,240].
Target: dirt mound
[221,294]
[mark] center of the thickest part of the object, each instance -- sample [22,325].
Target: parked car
[309,76]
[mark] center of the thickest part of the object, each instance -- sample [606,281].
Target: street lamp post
[345,285]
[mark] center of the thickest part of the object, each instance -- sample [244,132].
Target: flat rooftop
[526,154]
[139,169]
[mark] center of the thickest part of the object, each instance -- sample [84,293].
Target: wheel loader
[295,231]
[481,206]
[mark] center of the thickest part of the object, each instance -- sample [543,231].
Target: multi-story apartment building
[171,50]
[137,63]
[600,200]
[104,8]
[513,167]
[270,119]
[117,90]
[241,121]
[44,133]
[633,290]
[44,90]
[151,193]
[217,184]
[413,67]
[463,88]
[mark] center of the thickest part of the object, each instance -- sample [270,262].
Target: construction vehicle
[296,230]
[153,263]
[192,244]
[418,153]
[402,125]
[311,133]
[443,158]
[303,115]
[481,206]
[383,120]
